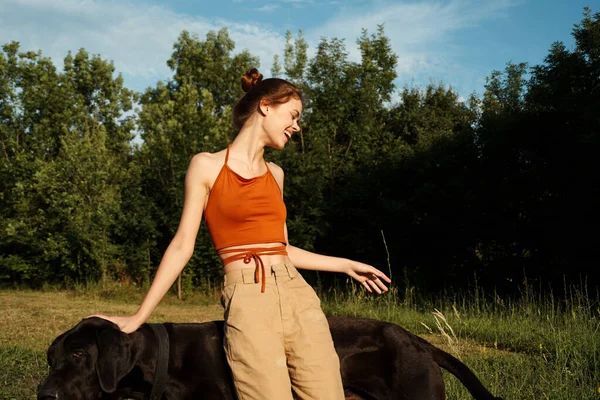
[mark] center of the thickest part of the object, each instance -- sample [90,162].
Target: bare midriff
[261,255]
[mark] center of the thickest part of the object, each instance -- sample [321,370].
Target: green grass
[530,347]
[21,370]
[30,320]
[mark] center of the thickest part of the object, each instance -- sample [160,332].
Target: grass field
[532,348]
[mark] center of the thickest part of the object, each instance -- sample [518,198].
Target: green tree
[539,140]
[505,91]
[209,65]
[65,147]
[346,109]
[343,130]
[295,58]
[421,193]
[276,68]
[180,118]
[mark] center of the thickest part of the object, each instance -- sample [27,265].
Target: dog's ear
[55,351]
[115,357]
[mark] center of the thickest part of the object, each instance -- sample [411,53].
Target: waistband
[254,253]
[246,275]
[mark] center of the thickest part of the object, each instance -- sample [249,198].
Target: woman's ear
[264,107]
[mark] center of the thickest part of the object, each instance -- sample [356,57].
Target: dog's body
[378,360]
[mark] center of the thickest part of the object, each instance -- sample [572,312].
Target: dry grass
[517,353]
[33,319]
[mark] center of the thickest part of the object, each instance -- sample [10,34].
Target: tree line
[493,189]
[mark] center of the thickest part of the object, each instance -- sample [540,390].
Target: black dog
[379,360]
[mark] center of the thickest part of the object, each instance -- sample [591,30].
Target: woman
[276,336]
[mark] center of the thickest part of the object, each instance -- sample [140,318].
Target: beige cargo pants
[278,341]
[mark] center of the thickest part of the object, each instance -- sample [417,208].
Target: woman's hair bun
[251,78]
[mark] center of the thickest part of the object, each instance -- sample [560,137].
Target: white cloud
[138,38]
[268,7]
[421,33]
[414,23]
[298,3]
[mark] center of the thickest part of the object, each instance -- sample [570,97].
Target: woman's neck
[248,145]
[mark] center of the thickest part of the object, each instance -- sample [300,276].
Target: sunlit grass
[30,320]
[533,346]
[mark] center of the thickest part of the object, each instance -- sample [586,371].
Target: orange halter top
[242,211]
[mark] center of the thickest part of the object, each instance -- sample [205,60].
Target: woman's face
[282,121]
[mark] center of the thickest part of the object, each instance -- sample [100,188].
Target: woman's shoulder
[275,169]
[208,158]
[207,164]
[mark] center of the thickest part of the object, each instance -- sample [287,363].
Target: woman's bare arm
[180,249]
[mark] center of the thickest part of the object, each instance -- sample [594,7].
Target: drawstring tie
[254,253]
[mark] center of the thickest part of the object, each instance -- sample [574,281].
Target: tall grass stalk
[530,346]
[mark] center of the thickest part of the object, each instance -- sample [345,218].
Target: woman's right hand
[126,324]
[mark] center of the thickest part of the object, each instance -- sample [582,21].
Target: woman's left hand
[370,277]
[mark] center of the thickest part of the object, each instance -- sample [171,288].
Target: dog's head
[86,361]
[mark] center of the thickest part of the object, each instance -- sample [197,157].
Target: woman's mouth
[288,135]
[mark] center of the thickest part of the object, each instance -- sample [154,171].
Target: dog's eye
[77,354]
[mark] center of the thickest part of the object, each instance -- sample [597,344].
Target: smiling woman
[277,339]
[279,94]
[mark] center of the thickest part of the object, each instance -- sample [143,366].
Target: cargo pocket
[227,297]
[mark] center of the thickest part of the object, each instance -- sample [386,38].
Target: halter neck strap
[227,153]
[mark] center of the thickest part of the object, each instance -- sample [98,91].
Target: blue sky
[457,42]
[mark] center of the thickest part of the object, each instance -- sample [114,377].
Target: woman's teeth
[287,135]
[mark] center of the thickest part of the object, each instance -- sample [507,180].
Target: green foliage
[209,65]
[343,125]
[179,119]
[531,345]
[295,58]
[505,90]
[276,68]
[418,193]
[538,142]
[477,190]
[65,148]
